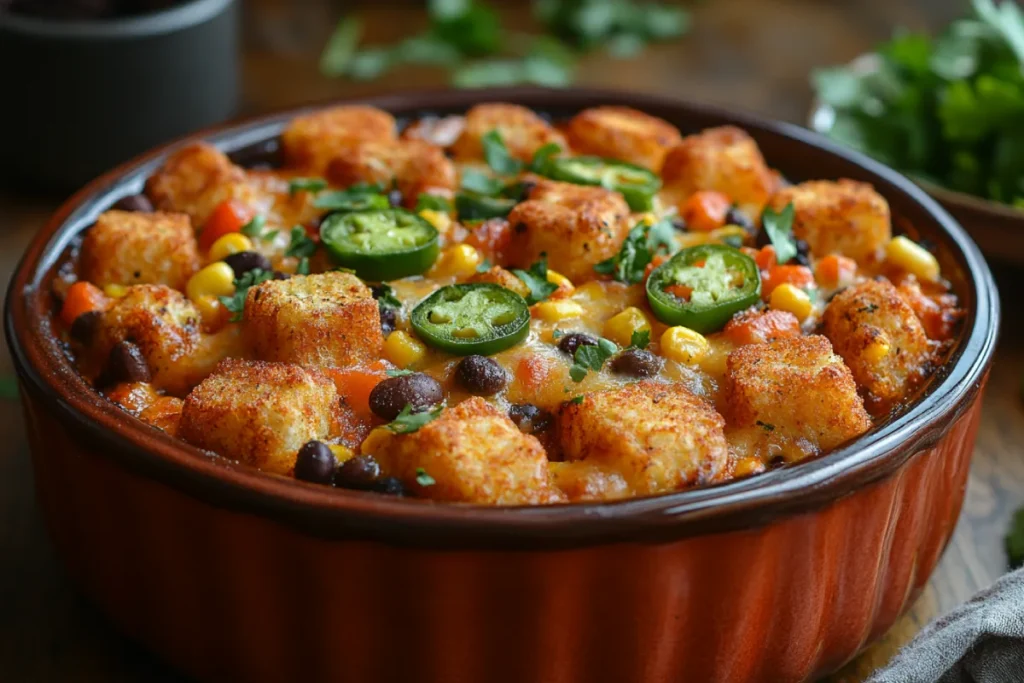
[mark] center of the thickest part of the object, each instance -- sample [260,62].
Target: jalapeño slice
[703,287]
[637,184]
[472,319]
[380,244]
[477,207]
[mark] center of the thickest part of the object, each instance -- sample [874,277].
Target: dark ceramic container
[234,575]
[82,96]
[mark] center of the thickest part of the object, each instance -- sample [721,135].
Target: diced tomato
[655,262]
[766,258]
[229,216]
[82,297]
[705,210]
[834,271]
[355,384]
[798,276]
[679,291]
[757,327]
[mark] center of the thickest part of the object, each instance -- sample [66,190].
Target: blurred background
[96,81]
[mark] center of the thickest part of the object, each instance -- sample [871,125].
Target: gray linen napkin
[981,641]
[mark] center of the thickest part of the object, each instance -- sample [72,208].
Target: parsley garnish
[497,155]
[303,267]
[557,334]
[254,228]
[424,479]
[300,246]
[536,278]
[408,421]
[576,399]
[306,185]
[432,202]
[543,155]
[391,372]
[1015,540]
[236,302]
[385,296]
[641,246]
[591,358]
[779,227]
[640,339]
[478,182]
[359,197]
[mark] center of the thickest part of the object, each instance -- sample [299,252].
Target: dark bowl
[89,94]
[232,574]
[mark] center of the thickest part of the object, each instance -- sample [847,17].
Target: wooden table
[742,52]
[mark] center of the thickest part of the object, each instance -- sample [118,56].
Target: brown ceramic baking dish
[233,575]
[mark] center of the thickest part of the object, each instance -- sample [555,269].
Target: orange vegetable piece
[355,384]
[705,210]
[82,297]
[655,262]
[229,216]
[680,291]
[758,327]
[766,258]
[798,276]
[532,372]
[834,270]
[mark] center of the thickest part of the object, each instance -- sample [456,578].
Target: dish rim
[46,372]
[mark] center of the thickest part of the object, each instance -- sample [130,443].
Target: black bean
[803,254]
[388,319]
[481,375]
[574,340]
[134,202]
[636,362]
[529,418]
[360,473]
[395,198]
[244,261]
[126,364]
[417,390]
[736,217]
[390,486]
[315,463]
[84,328]
[262,155]
[762,239]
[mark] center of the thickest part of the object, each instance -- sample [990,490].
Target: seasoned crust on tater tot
[522,131]
[878,335]
[259,414]
[311,141]
[842,217]
[330,319]
[793,390]
[658,437]
[132,248]
[474,453]
[575,225]
[413,165]
[622,133]
[724,159]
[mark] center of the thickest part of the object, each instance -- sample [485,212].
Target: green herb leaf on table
[1015,540]
[536,279]
[301,245]
[236,302]
[779,227]
[254,228]
[640,247]
[408,421]
[589,358]
[497,155]
[296,185]
[424,479]
[432,202]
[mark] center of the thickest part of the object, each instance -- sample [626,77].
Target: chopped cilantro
[300,246]
[236,302]
[640,339]
[591,358]
[557,334]
[303,267]
[386,298]
[254,228]
[641,246]
[1015,540]
[497,155]
[359,197]
[433,202]
[296,185]
[536,279]
[391,372]
[424,479]
[577,399]
[408,421]
[543,155]
[779,227]
[478,182]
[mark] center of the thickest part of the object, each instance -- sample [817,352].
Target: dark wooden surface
[746,53]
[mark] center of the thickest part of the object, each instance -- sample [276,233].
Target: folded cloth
[982,641]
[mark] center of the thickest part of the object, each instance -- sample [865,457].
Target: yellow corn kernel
[558,309]
[684,345]
[787,297]
[402,349]
[559,280]
[374,441]
[211,310]
[216,279]
[229,244]
[648,219]
[458,261]
[913,258]
[438,219]
[590,291]
[342,453]
[115,291]
[621,326]
[877,349]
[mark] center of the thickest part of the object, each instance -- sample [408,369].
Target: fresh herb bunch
[466,37]
[948,110]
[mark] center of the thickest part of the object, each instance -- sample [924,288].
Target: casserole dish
[232,574]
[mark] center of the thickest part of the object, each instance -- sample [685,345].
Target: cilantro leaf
[542,157]
[424,479]
[303,267]
[300,246]
[478,182]
[576,399]
[408,421]
[640,339]
[254,228]
[589,358]
[356,198]
[296,185]
[397,373]
[497,155]
[236,302]
[536,279]
[385,296]
[640,247]
[779,227]
[432,202]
